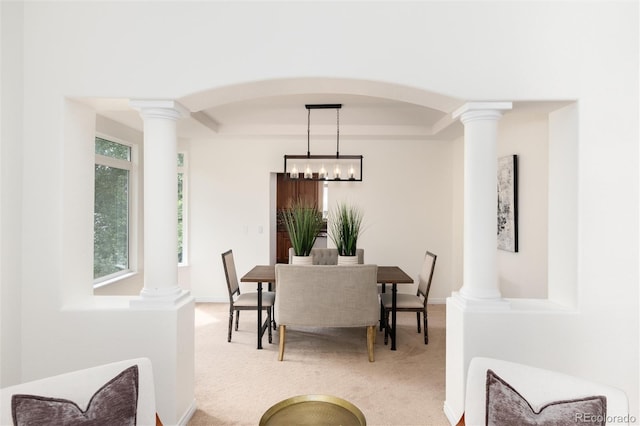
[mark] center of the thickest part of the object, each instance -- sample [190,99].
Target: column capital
[159,108]
[481,111]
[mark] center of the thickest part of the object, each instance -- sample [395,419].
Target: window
[112,209]
[325,200]
[182,204]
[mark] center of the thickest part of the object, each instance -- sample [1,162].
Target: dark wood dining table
[386,275]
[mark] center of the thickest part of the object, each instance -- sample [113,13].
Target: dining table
[393,275]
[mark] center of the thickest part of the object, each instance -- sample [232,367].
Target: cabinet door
[283,245]
[290,190]
[308,191]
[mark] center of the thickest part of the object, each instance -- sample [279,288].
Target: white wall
[405,196]
[10,190]
[588,51]
[563,206]
[524,274]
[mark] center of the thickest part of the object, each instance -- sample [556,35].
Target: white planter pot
[347,260]
[302,260]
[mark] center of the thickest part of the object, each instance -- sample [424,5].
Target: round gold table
[313,410]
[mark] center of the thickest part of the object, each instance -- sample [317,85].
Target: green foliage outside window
[113,149]
[111,212]
[180,220]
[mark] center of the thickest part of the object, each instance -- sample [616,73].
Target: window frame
[185,206]
[132,166]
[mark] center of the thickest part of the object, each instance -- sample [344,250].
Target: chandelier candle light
[345,168]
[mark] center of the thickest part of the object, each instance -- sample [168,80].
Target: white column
[480,276]
[160,200]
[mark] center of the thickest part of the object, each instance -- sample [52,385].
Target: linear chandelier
[339,168]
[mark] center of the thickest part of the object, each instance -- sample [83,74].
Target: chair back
[426,275]
[230,274]
[327,295]
[328,256]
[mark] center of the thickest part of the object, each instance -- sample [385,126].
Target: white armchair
[524,394]
[80,386]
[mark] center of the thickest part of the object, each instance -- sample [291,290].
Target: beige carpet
[236,383]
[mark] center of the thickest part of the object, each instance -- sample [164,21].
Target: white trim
[116,163]
[113,278]
[209,299]
[449,413]
[191,410]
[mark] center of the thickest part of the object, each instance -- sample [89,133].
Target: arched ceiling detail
[370,108]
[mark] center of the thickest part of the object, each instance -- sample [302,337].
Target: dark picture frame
[508,203]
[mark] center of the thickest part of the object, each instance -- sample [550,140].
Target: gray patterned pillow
[505,406]
[115,403]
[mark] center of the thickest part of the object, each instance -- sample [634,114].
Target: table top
[267,274]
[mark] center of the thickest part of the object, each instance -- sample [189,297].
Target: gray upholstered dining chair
[412,303]
[245,301]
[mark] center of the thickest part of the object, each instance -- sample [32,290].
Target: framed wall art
[508,203]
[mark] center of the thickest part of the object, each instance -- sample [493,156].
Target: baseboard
[184,420]
[451,416]
[436,301]
[212,300]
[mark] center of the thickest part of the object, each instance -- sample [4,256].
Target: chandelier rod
[308,131]
[337,107]
[338,132]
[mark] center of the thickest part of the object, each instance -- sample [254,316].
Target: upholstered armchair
[119,393]
[507,393]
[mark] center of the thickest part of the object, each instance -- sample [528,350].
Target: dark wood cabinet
[287,192]
[283,245]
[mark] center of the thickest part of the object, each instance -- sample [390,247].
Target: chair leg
[418,316]
[371,340]
[381,316]
[230,324]
[426,333]
[386,327]
[237,319]
[283,329]
[273,317]
[269,325]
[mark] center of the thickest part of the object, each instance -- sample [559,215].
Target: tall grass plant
[345,226]
[303,222]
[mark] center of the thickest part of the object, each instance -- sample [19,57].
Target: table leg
[259,315]
[394,292]
[383,289]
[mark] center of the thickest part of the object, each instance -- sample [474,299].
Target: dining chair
[244,301]
[412,303]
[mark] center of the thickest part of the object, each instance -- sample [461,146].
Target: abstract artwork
[508,203]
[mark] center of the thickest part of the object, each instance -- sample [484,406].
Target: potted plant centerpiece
[345,225]
[303,222]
